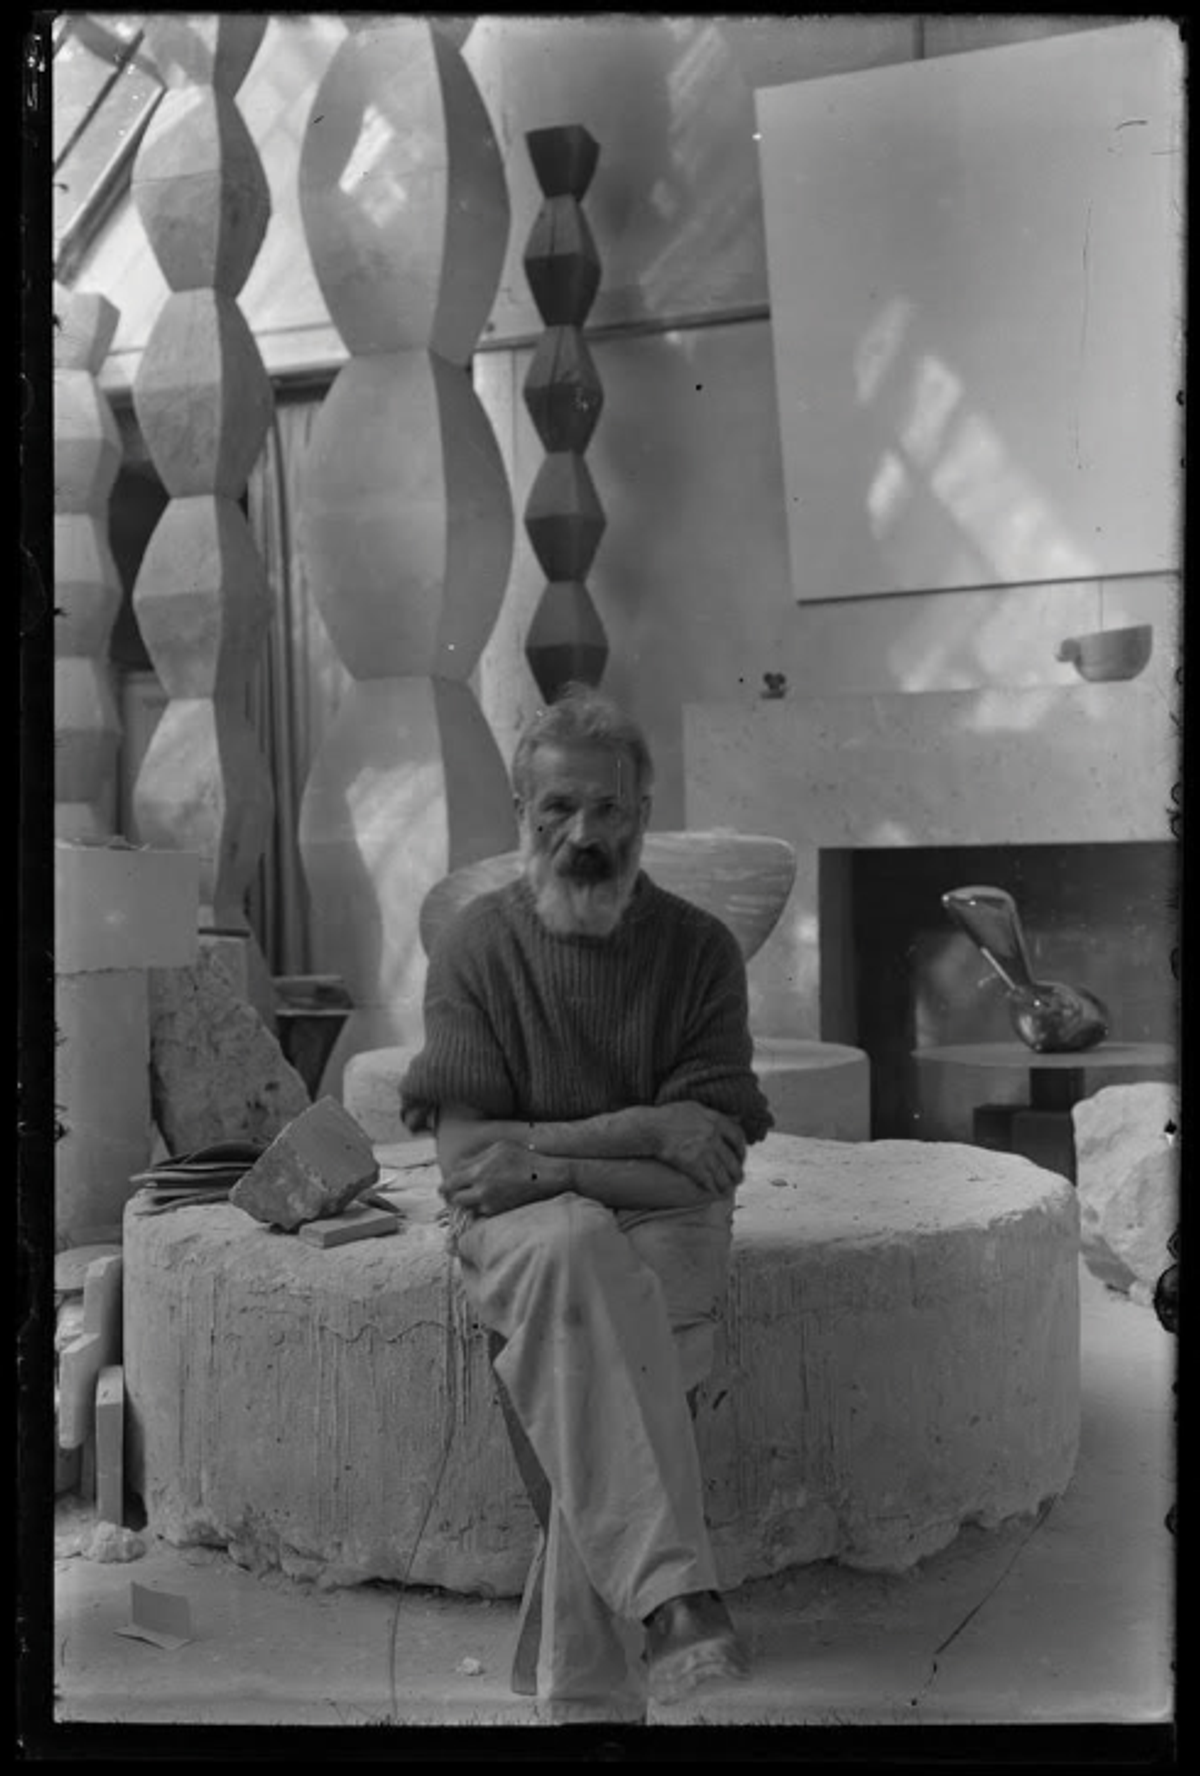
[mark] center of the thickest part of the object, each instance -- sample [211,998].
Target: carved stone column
[407,513]
[563,516]
[87,590]
[204,403]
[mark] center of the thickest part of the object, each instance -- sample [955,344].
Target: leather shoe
[690,1641]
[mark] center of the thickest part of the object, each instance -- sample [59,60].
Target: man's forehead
[605,769]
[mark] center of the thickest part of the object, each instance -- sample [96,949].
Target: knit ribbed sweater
[525,1024]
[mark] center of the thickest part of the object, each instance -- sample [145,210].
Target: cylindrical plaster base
[820,1089]
[899,1356]
[371,1090]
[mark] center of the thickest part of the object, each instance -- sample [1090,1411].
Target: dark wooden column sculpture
[563,516]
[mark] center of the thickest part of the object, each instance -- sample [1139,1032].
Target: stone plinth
[813,1088]
[900,1355]
[117,913]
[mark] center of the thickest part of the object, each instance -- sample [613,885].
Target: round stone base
[814,1088]
[899,1356]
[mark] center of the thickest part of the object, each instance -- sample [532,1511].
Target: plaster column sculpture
[87,590]
[407,515]
[204,404]
[563,516]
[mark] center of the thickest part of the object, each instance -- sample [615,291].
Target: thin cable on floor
[1043,1512]
[451,1414]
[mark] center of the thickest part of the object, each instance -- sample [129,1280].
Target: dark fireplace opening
[897,975]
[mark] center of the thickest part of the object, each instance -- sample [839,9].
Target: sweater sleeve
[714,1066]
[462,1061]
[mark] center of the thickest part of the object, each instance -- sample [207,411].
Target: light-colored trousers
[608,1318]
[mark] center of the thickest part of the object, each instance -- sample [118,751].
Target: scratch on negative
[1083,325]
[1041,1517]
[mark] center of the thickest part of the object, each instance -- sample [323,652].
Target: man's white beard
[580,909]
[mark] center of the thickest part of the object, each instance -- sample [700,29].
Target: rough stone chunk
[315,1167]
[1127,1178]
[112,1541]
[216,1071]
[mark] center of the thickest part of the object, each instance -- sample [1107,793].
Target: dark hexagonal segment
[566,639]
[562,264]
[563,517]
[562,390]
[564,158]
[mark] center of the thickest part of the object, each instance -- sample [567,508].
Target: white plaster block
[102,1095]
[899,1356]
[122,908]
[1127,1172]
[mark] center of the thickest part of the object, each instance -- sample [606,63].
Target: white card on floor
[161,1617]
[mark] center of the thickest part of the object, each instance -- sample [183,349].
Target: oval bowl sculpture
[743,878]
[1049,1016]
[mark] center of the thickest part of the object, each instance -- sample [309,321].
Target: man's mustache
[587,863]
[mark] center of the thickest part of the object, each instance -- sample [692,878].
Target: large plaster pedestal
[813,1088]
[117,913]
[899,1356]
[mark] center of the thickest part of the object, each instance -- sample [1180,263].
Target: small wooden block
[102,1304]
[110,1445]
[354,1224]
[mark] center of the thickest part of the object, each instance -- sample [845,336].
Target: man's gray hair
[580,716]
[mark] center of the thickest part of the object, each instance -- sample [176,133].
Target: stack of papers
[208,1175]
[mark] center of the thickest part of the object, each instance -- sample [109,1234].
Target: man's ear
[644,810]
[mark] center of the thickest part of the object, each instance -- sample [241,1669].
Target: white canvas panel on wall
[976,269]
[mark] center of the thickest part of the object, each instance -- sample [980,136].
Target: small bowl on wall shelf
[744,878]
[1109,654]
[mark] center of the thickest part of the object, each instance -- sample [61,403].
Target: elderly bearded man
[587,1070]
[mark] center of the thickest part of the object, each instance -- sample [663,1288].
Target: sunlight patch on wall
[878,347]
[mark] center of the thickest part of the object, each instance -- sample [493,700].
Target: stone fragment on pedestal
[1127,1175]
[315,1167]
[216,1072]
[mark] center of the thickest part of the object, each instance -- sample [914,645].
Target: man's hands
[682,1147]
[503,1175]
[708,1147]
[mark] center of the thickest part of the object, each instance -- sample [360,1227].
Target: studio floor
[1066,1619]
